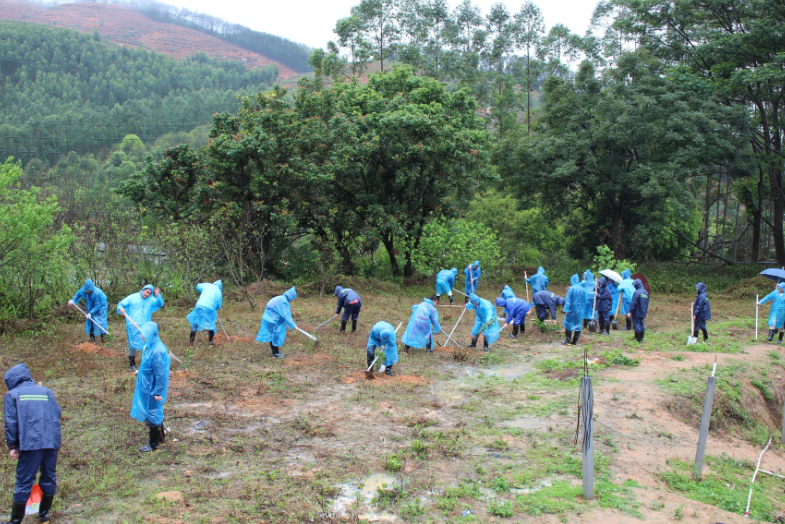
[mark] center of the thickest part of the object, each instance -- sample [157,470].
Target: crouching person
[152,385]
[383,337]
[516,310]
[32,432]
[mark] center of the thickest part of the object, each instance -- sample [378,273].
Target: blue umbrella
[777,275]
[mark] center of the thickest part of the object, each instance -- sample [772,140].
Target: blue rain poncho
[539,281]
[614,289]
[486,321]
[141,311]
[777,315]
[206,310]
[507,292]
[574,305]
[516,309]
[588,284]
[96,306]
[153,378]
[627,289]
[472,272]
[383,336]
[277,318]
[423,322]
[445,280]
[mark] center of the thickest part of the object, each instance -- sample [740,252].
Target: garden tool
[91,319]
[461,292]
[315,340]
[756,317]
[456,324]
[368,372]
[449,338]
[526,277]
[222,327]
[692,340]
[326,321]
[135,325]
[592,322]
[614,323]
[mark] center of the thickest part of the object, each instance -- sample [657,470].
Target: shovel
[614,323]
[135,325]
[690,339]
[326,321]
[222,327]
[315,340]
[368,372]
[91,319]
[456,325]
[450,338]
[592,322]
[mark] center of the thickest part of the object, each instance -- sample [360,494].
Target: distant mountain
[167,30]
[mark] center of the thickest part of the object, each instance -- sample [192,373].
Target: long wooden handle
[526,277]
[594,307]
[306,334]
[692,317]
[91,319]
[372,363]
[618,304]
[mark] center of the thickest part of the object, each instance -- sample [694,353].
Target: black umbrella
[777,275]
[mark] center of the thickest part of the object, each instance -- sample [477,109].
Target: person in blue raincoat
[486,321]
[574,305]
[96,307]
[545,302]
[472,273]
[701,311]
[351,303]
[423,323]
[639,308]
[205,312]
[539,281]
[445,281]
[604,304]
[777,315]
[383,337]
[506,293]
[614,290]
[277,318]
[627,290]
[517,309]
[152,386]
[138,307]
[588,284]
[32,434]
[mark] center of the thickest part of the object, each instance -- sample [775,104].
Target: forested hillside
[64,91]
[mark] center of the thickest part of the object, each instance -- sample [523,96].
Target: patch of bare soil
[317,359]
[96,349]
[384,380]
[220,338]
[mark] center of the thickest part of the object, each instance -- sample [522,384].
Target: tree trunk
[618,235]
[756,220]
[775,179]
[389,245]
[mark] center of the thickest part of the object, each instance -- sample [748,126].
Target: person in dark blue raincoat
[277,318]
[32,433]
[351,303]
[517,309]
[445,281]
[627,290]
[574,305]
[139,307]
[639,307]
[588,284]
[205,312]
[486,321]
[472,273]
[382,336]
[545,302]
[152,387]
[701,311]
[96,307]
[539,282]
[604,305]
[423,323]
[777,315]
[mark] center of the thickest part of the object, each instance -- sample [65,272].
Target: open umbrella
[642,278]
[612,275]
[777,275]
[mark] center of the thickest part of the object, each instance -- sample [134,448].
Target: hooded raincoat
[349,301]
[210,299]
[539,281]
[627,290]
[777,315]
[32,414]
[702,308]
[604,296]
[277,318]
[486,321]
[423,322]
[445,280]
[96,306]
[141,311]
[383,336]
[472,272]
[507,292]
[614,290]
[588,284]
[516,309]
[574,305]
[152,380]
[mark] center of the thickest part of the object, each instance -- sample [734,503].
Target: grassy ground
[454,437]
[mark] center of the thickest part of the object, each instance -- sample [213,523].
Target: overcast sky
[311,22]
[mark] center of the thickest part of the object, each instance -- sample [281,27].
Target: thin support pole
[587,448]
[705,420]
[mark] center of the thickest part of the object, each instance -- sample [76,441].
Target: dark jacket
[345,297]
[32,415]
[549,300]
[640,300]
[702,310]
[604,297]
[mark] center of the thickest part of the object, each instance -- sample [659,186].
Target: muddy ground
[453,437]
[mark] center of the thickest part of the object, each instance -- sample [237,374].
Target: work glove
[70,302]
[89,316]
[381,369]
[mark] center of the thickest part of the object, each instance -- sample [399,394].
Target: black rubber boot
[567,337]
[343,326]
[210,335]
[452,302]
[92,338]
[388,371]
[780,338]
[636,338]
[103,340]
[438,299]
[155,441]
[465,300]
[514,332]
[276,351]
[484,343]
[369,361]
[695,333]
[17,513]
[354,326]
[575,336]
[405,348]
[132,363]
[523,329]
[771,335]
[585,323]
[474,342]
[191,339]
[628,327]
[44,507]
[705,335]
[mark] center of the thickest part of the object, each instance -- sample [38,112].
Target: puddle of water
[512,371]
[362,493]
[547,483]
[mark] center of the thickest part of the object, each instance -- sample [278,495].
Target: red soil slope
[122,25]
